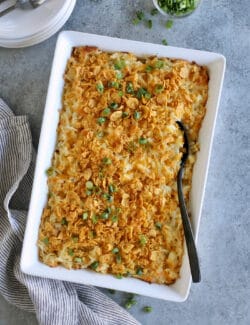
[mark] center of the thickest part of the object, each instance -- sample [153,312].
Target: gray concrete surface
[223,296]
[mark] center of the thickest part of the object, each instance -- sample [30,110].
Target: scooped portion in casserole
[113,203]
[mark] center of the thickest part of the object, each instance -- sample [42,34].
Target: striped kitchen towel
[54,302]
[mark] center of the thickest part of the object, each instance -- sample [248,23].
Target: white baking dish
[29,260]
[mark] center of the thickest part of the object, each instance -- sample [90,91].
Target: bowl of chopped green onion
[176,8]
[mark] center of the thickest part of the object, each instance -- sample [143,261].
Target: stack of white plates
[26,27]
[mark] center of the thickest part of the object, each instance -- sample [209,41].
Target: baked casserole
[113,203]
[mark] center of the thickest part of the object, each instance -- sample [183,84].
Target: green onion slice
[46,241]
[113,106]
[85,215]
[129,88]
[106,161]
[101,120]
[78,259]
[106,111]
[94,265]
[89,185]
[147,309]
[139,271]
[64,222]
[100,88]
[143,140]
[149,23]
[164,42]
[169,24]
[137,115]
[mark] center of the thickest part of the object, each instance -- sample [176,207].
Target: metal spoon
[191,248]
[20,4]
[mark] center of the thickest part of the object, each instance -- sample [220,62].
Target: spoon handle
[191,248]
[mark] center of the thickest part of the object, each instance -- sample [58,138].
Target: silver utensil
[191,248]
[23,4]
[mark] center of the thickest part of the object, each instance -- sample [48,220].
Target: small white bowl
[164,13]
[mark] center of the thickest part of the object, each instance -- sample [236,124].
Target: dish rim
[37,268]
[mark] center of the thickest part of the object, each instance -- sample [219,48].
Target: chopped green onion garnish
[114,219]
[149,68]
[108,197]
[164,42]
[118,210]
[136,21]
[101,174]
[140,15]
[100,88]
[49,171]
[118,259]
[113,105]
[131,147]
[119,75]
[94,265]
[143,140]
[101,120]
[130,303]
[127,274]
[125,114]
[147,309]
[129,88]
[70,251]
[100,134]
[178,7]
[111,188]
[46,240]
[108,210]
[158,225]
[169,24]
[88,192]
[159,64]
[142,92]
[75,239]
[78,259]
[106,161]
[137,115]
[118,276]
[104,215]
[115,250]
[143,240]
[154,12]
[118,65]
[120,93]
[149,23]
[114,84]
[89,185]
[131,295]
[94,219]
[139,271]
[64,222]
[92,234]
[106,111]
[158,89]
[111,291]
[85,215]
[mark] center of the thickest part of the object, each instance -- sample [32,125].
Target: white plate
[66,40]
[22,28]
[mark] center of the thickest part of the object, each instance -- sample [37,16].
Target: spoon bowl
[191,248]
